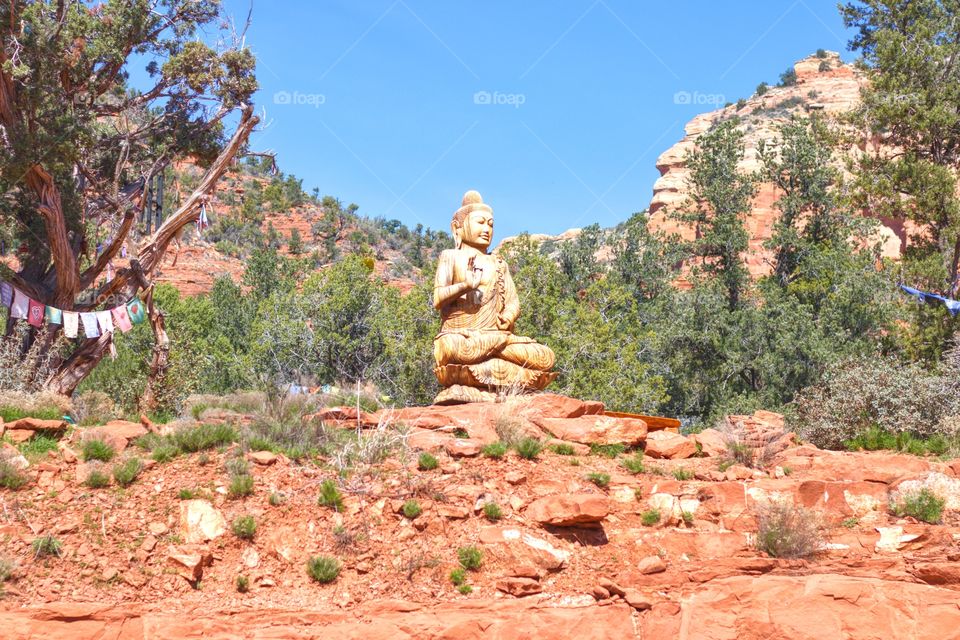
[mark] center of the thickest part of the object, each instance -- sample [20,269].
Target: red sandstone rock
[36,424]
[596,429]
[463,448]
[189,562]
[713,443]
[672,446]
[519,587]
[651,564]
[200,521]
[515,548]
[569,509]
[262,458]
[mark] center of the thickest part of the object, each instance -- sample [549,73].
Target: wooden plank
[654,423]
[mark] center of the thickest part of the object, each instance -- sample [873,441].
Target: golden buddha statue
[476,352]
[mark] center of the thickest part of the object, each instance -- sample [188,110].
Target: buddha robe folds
[476,346]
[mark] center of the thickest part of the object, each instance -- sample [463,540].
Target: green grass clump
[602,480]
[243,584]
[563,449]
[465,589]
[492,511]
[427,462]
[126,472]
[877,439]
[495,450]
[97,479]
[11,477]
[634,464]
[458,576]
[607,450]
[203,436]
[470,558]
[411,509]
[923,505]
[276,499]
[46,546]
[330,495]
[38,446]
[240,485]
[186,494]
[165,453]
[323,569]
[650,517]
[244,527]
[529,448]
[9,414]
[687,517]
[96,449]
[683,474]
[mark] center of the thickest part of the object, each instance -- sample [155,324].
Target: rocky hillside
[579,540]
[825,85]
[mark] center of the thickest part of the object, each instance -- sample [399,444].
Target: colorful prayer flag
[20,306]
[121,319]
[35,313]
[6,294]
[54,315]
[105,320]
[89,320]
[71,323]
[135,310]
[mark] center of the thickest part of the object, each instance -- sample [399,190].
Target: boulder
[200,521]
[189,561]
[36,424]
[519,587]
[569,509]
[596,429]
[262,458]
[713,443]
[670,446]
[516,549]
[463,448]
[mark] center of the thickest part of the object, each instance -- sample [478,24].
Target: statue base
[462,394]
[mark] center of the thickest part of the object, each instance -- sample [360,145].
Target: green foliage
[11,477]
[923,505]
[276,499]
[46,546]
[243,584]
[96,449]
[602,480]
[495,450]
[563,449]
[411,509]
[492,511]
[683,474]
[203,437]
[127,471]
[244,527]
[186,494]
[465,589]
[241,485]
[471,558]
[330,495]
[788,531]
[634,464]
[38,446]
[687,517]
[529,448]
[788,78]
[427,462]
[650,517]
[762,88]
[608,450]
[458,576]
[323,569]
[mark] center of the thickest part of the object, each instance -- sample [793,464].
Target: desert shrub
[41,404]
[741,103]
[509,430]
[634,464]
[126,472]
[495,450]
[330,495]
[607,450]
[687,517]
[492,511]
[650,517]
[860,394]
[562,449]
[923,505]
[458,576]
[427,462]
[237,466]
[186,494]
[738,453]
[203,436]
[39,445]
[276,499]
[529,448]
[682,474]
[602,480]
[11,477]
[465,589]
[786,530]
[876,439]
[824,66]
[243,584]
[240,486]
[470,558]
[821,53]
[46,546]
[97,479]
[96,449]
[93,407]
[762,88]
[411,509]
[244,527]
[323,569]
[6,570]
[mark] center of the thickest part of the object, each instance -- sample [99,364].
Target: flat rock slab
[596,429]
[569,509]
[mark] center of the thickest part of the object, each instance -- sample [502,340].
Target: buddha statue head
[472,223]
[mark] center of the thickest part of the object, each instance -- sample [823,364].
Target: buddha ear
[457,230]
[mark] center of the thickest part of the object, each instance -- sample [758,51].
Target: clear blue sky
[554,110]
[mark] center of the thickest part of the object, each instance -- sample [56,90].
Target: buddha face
[477,230]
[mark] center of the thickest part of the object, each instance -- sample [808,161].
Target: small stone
[263,458]
[189,562]
[637,600]
[158,528]
[109,574]
[135,579]
[149,543]
[599,593]
[651,564]
[515,477]
[519,587]
[65,496]
[612,587]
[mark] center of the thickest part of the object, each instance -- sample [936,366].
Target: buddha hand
[474,274]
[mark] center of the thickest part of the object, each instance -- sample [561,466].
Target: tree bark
[161,356]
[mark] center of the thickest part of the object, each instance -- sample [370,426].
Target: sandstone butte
[567,558]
